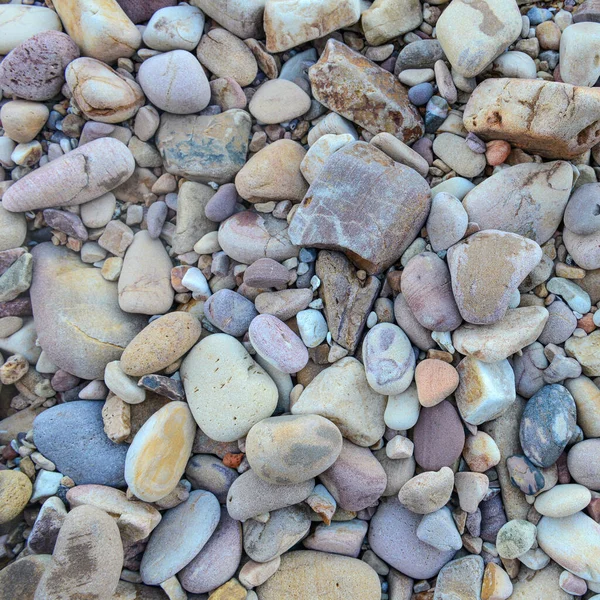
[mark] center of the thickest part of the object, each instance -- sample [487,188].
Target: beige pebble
[436,380]
[427,492]
[23,120]
[277,101]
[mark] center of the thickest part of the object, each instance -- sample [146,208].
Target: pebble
[402,410]
[320,151]
[237,387]
[15,492]
[342,394]
[547,424]
[277,101]
[560,324]
[447,221]
[586,395]
[572,584]
[453,150]
[121,385]
[515,538]
[580,217]
[400,152]
[20,578]
[583,465]
[496,583]
[174,28]
[420,94]
[462,577]
[438,529]
[584,350]
[158,454]
[169,548]
[312,327]
[577,299]
[578,64]
[427,492]
[435,380]
[481,452]
[265,273]
[19,23]
[273,452]
[563,500]
[13,229]
[230,312]
[222,204]
[88,556]
[23,120]
[207,472]
[175,82]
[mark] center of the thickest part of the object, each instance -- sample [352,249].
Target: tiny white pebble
[316,304]
[315,283]
[372,319]
[195,281]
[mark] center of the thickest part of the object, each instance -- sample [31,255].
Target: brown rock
[20,578]
[405,318]
[357,178]
[141,10]
[265,273]
[436,380]
[116,416]
[354,87]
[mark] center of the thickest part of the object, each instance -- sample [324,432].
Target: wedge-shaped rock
[359,179]
[492,343]
[78,320]
[461,578]
[341,394]
[528,199]
[555,120]
[486,269]
[354,87]
[291,23]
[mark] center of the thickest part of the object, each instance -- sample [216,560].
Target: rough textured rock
[19,580]
[555,120]
[354,87]
[461,578]
[325,218]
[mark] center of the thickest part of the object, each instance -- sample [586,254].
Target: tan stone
[400,152]
[481,452]
[19,22]
[23,120]
[232,590]
[243,18]
[496,583]
[587,352]
[15,491]
[100,28]
[159,452]
[307,575]
[427,492]
[587,399]
[102,93]
[436,380]
[20,578]
[278,100]
[116,415]
[385,20]
[555,120]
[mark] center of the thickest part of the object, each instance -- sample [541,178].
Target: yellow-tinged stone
[587,399]
[587,352]
[496,583]
[232,590]
[15,491]
[20,578]
[161,343]
[160,450]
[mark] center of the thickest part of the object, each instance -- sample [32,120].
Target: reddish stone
[233,460]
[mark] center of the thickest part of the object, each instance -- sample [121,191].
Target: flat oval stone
[284,304]
[447,221]
[19,579]
[218,560]
[160,344]
[528,199]
[292,449]
[250,496]
[274,341]
[19,22]
[227,391]
[231,312]
[563,500]
[525,475]
[573,542]
[74,178]
[159,452]
[547,424]
[425,286]
[72,436]
[388,358]
[277,101]
[207,472]
[87,557]
[578,63]
[438,436]
[170,547]
[580,215]
[325,219]
[453,150]
[416,333]
[356,479]
[585,249]
[265,273]
[413,558]
[306,575]
[584,465]
[515,64]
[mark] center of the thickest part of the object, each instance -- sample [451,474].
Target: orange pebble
[233,460]
[497,152]
[587,323]
[435,380]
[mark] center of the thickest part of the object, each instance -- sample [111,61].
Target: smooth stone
[175,82]
[204,148]
[226,399]
[585,351]
[20,578]
[312,327]
[231,312]
[425,285]
[306,575]
[207,472]
[456,186]
[277,101]
[273,173]
[483,293]
[145,280]
[481,452]
[192,223]
[413,558]
[227,93]
[77,177]
[174,28]
[15,492]
[342,394]
[420,94]
[587,400]
[17,278]
[579,54]
[37,80]
[314,160]
[543,582]
[528,199]
[290,24]
[243,18]
[400,152]
[571,293]
[13,229]
[584,249]
[531,115]
[87,557]
[265,541]
[573,542]
[159,452]
[103,94]
[356,479]
[485,390]
[385,108]
[580,215]
[435,380]
[122,385]
[170,549]
[331,123]
[19,23]
[560,324]
[563,500]
[98,212]
[496,583]
[388,358]
[402,410]
[515,64]
[397,470]
[520,327]
[547,424]
[218,560]
[447,221]
[160,344]
[453,150]
[340,538]
[427,492]
[582,461]
[222,205]
[360,165]
[461,578]
[438,529]
[250,496]
[100,28]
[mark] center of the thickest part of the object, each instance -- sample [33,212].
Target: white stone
[195,281]
[122,385]
[515,64]
[331,123]
[456,186]
[580,54]
[312,327]
[439,530]
[97,213]
[46,484]
[208,244]
[577,298]
[402,410]
[174,27]
[563,500]
[19,22]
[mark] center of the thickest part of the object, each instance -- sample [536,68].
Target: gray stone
[229,311]
[207,472]
[192,222]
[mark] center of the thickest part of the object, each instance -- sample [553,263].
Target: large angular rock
[486,269]
[204,148]
[528,199]
[346,298]
[354,87]
[555,120]
[78,320]
[361,179]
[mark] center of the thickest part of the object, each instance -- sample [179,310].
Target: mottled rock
[386,20]
[461,578]
[19,580]
[585,351]
[427,492]
[481,452]
[560,325]
[231,312]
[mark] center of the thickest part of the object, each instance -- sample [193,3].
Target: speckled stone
[19,579]
[461,578]
[15,492]
[525,475]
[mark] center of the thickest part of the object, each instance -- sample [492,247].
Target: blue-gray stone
[297,66]
[436,112]
[538,15]
[547,424]
[551,57]
[207,472]
[493,518]
[420,94]
[72,436]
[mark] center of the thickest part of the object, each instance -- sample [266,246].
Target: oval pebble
[563,500]
[312,327]
[584,463]
[230,312]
